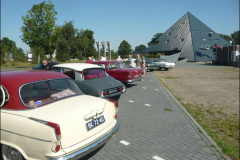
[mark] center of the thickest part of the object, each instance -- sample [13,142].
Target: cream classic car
[44,115]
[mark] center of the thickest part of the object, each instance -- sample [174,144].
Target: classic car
[92,80]
[163,64]
[44,115]
[150,65]
[117,71]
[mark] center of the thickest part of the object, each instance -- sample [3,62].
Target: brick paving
[161,131]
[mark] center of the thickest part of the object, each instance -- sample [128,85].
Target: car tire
[166,69]
[150,70]
[159,68]
[6,149]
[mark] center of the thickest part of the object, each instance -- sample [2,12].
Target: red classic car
[119,72]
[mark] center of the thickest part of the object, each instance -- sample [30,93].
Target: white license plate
[94,123]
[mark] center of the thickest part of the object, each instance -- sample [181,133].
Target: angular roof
[191,36]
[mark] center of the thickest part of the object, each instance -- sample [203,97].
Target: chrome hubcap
[13,154]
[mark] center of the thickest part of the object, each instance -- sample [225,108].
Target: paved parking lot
[153,126]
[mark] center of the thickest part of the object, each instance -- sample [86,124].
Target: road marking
[157,158]
[156,89]
[142,79]
[124,142]
[130,101]
[144,87]
[147,105]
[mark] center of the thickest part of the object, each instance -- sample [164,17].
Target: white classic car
[44,115]
[163,64]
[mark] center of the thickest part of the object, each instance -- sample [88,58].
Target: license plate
[112,91]
[94,123]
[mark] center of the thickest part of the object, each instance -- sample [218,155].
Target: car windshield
[115,65]
[39,93]
[94,73]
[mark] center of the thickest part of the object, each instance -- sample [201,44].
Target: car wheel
[150,70]
[159,68]
[166,69]
[10,153]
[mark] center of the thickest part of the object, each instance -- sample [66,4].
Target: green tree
[124,48]
[38,30]
[140,48]
[235,37]
[8,47]
[155,37]
[224,36]
[67,42]
[85,43]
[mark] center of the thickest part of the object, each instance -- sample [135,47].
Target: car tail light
[115,116]
[51,124]
[57,148]
[57,129]
[105,93]
[115,103]
[121,89]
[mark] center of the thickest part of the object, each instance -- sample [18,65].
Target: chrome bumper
[90,148]
[133,80]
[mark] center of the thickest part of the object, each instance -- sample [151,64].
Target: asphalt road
[153,126]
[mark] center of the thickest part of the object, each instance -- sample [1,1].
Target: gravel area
[204,84]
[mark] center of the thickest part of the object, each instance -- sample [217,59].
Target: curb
[194,121]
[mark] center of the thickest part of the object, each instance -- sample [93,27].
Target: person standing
[92,58]
[45,65]
[143,65]
[138,62]
[130,61]
[89,60]
[119,59]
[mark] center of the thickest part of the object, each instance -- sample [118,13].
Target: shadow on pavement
[91,154]
[130,85]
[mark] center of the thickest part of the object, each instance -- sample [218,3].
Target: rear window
[39,93]
[94,73]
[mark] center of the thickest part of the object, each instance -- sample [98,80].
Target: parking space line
[130,101]
[144,87]
[124,142]
[157,158]
[156,89]
[147,105]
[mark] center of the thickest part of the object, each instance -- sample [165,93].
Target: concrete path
[153,126]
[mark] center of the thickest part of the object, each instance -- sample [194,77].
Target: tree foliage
[38,30]
[140,48]
[10,50]
[155,37]
[124,48]
[235,37]
[224,36]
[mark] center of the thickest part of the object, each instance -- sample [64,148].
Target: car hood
[105,83]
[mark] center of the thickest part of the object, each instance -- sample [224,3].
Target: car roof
[104,62]
[28,76]
[77,66]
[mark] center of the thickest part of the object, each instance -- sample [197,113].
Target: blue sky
[135,21]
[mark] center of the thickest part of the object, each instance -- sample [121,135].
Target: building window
[167,41]
[216,40]
[204,39]
[182,23]
[210,39]
[182,39]
[175,36]
[168,34]
[214,56]
[198,31]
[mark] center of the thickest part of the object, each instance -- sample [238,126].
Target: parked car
[163,64]
[44,115]
[92,80]
[117,71]
[40,66]
[150,65]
